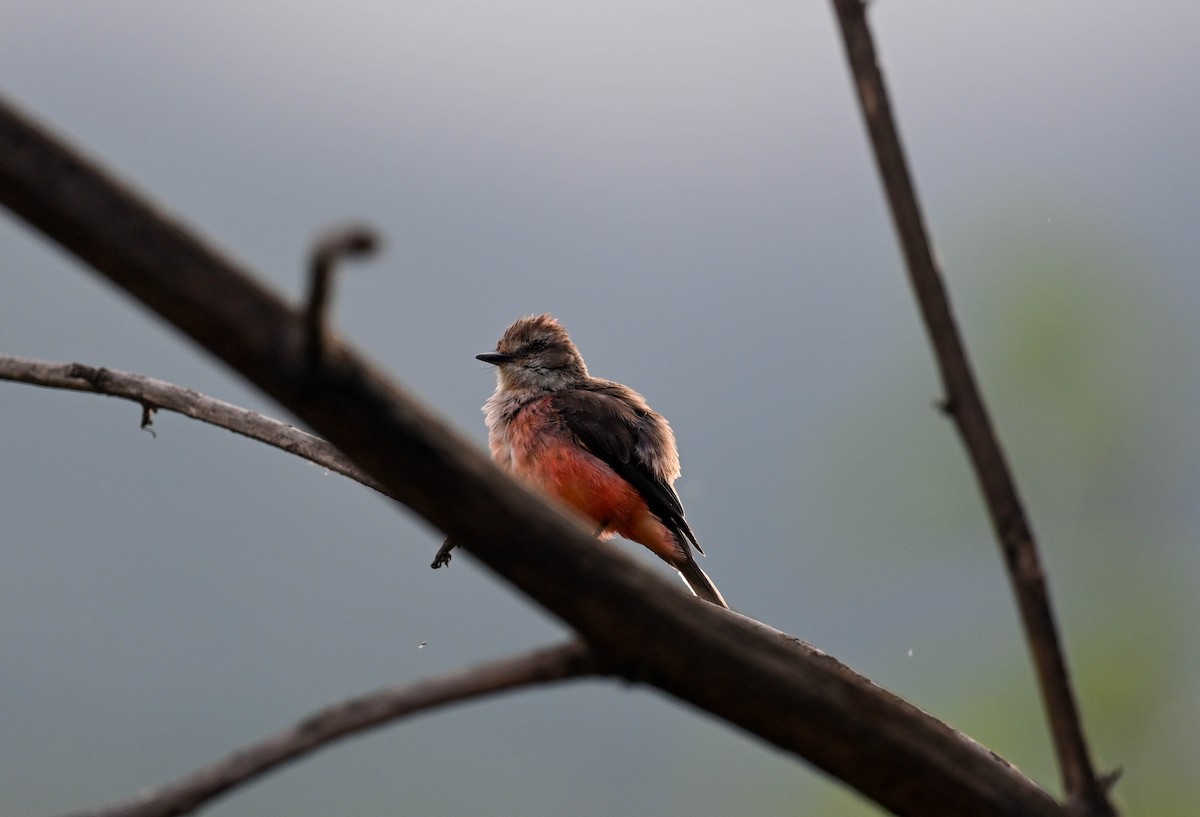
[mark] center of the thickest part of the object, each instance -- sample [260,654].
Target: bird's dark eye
[533,347]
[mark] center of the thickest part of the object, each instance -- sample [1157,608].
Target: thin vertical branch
[1086,793]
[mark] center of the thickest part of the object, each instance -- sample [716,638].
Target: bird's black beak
[494,358]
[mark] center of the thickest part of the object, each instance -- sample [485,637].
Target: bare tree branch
[154,394]
[346,242]
[1086,793]
[357,715]
[754,677]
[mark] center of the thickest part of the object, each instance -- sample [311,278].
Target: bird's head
[536,353]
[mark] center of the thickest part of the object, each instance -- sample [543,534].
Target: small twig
[1086,793]
[148,419]
[153,394]
[357,715]
[443,556]
[346,242]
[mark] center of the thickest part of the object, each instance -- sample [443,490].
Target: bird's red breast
[545,454]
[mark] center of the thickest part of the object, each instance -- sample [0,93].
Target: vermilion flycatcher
[592,444]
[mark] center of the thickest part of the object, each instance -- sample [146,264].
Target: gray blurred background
[687,186]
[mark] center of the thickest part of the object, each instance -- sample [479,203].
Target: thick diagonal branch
[349,718]
[750,675]
[964,402]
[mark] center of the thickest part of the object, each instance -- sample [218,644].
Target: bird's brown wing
[610,421]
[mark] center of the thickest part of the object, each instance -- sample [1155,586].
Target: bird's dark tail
[699,582]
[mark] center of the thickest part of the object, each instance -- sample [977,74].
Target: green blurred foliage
[1084,361]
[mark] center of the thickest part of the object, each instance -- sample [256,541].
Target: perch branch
[756,678]
[1086,793]
[153,394]
[349,718]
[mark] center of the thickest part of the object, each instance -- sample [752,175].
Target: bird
[591,444]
